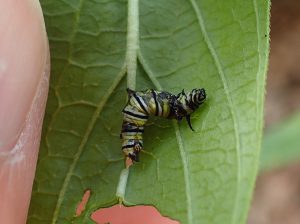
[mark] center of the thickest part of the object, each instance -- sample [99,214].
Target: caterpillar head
[188,103]
[194,99]
[199,96]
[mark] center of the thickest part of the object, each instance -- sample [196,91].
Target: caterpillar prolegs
[142,104]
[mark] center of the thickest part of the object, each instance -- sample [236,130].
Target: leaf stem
[132,42]
[131,64]
[122,185]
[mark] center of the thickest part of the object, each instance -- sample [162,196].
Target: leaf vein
[221,73]
[179,141]
[183,156]
[84,140]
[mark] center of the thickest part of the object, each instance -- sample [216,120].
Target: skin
[24,70]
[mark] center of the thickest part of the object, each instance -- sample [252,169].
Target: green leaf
[281,144]
[205,176]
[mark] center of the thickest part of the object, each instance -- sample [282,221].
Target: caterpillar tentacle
[142,104]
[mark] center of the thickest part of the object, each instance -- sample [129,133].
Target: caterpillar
[142,104]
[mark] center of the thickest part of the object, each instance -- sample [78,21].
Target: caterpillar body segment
[142,104]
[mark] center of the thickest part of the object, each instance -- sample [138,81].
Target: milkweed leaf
[206,176]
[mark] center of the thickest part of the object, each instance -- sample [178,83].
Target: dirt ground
[277,194]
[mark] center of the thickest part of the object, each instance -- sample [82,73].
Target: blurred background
[277,194]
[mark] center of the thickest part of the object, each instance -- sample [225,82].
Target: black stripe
[133,130]
[199,98]
[156,103]
[140,103]
[195,98]
[191,105]
[135,115]
[127,146]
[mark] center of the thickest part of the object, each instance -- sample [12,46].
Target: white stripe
[159,108]
[144,104]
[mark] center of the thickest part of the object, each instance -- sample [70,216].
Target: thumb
[24,69]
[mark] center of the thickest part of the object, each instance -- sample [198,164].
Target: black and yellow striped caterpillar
[157,103]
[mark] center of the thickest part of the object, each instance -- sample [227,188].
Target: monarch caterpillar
[141,104]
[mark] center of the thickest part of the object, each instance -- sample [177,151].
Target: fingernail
[20,45]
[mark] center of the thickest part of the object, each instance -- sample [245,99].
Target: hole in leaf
[84,201]
[119,214]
